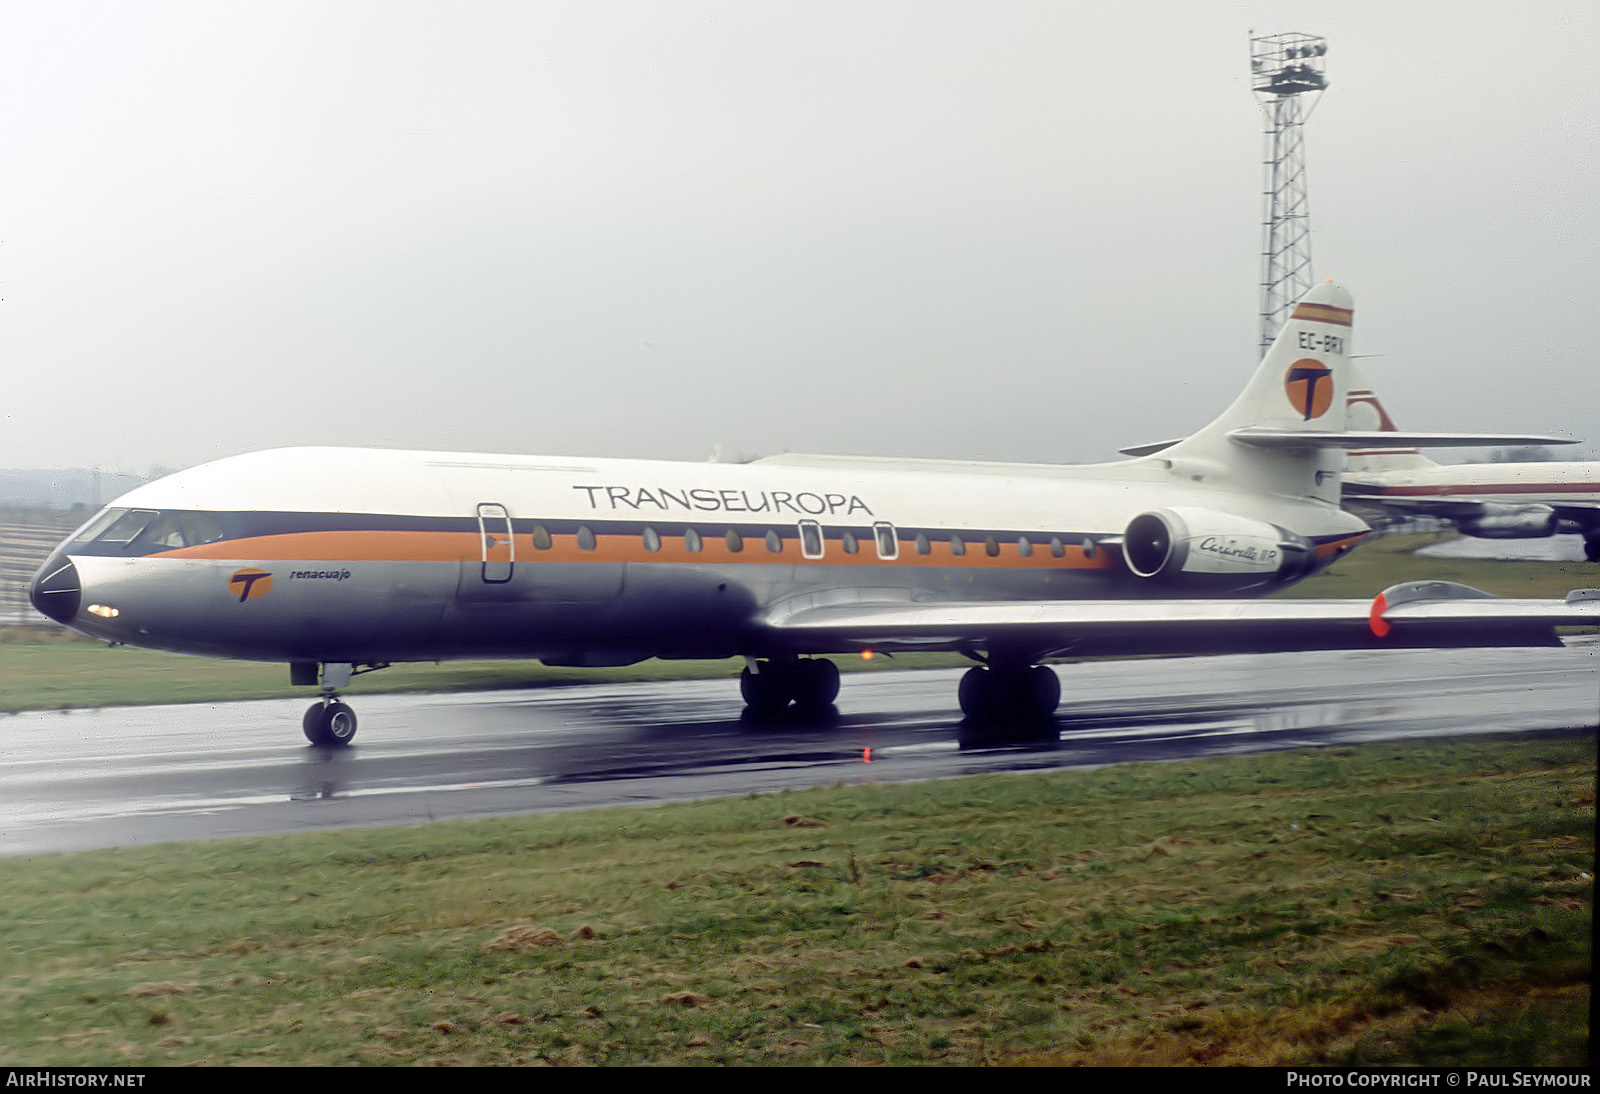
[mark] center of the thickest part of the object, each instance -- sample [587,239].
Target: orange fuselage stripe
[1333,547]
[385,546]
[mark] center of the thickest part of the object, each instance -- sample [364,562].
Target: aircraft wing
[1466,507]
[1414,615]
[1445,508]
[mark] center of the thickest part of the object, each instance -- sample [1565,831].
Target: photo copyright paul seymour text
[1464,1079]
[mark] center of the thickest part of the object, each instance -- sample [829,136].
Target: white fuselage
[1493,483]
[358,555]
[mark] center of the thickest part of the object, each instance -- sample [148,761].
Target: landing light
[866,655]
[102,611]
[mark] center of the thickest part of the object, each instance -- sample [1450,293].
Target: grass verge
[1391,560]
[1420,903]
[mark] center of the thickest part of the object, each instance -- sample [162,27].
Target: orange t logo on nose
[250,584]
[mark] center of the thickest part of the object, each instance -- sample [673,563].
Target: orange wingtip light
[1380,626]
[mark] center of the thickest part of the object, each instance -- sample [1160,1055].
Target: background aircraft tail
[1366,412]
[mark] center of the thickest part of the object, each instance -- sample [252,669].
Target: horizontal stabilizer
[1280,438]
[1259,437]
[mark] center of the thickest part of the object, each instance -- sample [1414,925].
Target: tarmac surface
[139,775]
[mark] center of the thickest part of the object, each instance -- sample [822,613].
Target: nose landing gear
[328,722]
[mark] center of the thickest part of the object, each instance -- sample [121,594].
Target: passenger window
[774,543]
[691,540]
[1088,548]
[888,545]
[1056,547]
[586,541]
[652,541]
[847,540]
[957,547]
[1024,548]
[991,546]
[923,546]
[734,541]
[541,538]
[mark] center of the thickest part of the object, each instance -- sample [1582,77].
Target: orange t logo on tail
[1309,385]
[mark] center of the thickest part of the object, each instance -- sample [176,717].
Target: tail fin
[1287,432]
[1366,412]
[1300,389]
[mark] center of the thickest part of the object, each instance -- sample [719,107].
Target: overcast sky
[990,231]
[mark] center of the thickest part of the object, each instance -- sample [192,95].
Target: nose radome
[56,590]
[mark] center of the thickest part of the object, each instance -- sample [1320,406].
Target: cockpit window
[150,530]
[163,532]
[98,524]
[199,528]
[128,528]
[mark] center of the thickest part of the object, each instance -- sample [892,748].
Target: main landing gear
[810,683]
[1008,700]
[328,722]
[1010,693]
[1004,697]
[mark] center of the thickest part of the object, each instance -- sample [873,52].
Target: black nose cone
[56,590]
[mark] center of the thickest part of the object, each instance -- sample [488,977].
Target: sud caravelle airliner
[1488,500]
[338,561]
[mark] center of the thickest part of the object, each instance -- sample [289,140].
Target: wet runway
[125,776]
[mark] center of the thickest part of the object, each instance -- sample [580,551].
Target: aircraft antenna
[1287,79]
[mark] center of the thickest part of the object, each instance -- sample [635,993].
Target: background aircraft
[344,560]
[1490,500]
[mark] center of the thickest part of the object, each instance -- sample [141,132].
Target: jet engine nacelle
[1511,522]
[1190,543]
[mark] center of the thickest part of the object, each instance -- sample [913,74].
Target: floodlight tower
[1287,78]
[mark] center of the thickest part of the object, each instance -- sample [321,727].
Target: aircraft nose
[56,590]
